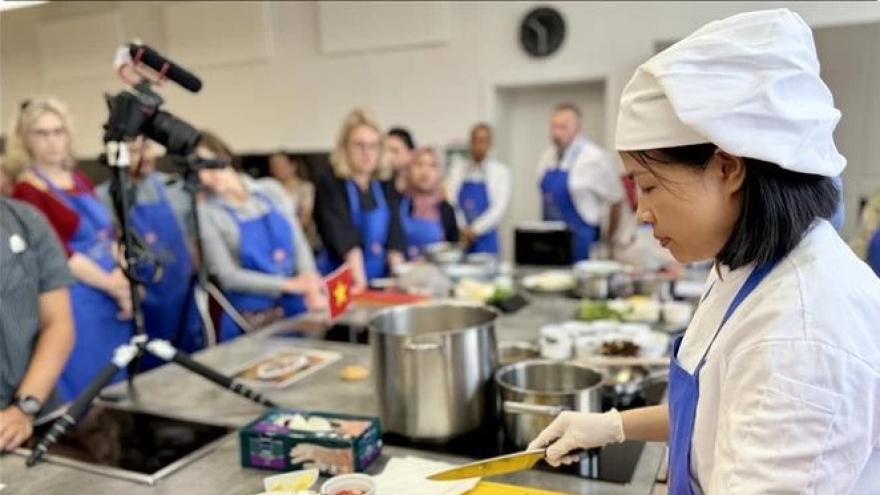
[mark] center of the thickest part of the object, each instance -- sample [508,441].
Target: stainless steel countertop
[173,391]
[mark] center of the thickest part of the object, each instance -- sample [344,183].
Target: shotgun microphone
[156,61]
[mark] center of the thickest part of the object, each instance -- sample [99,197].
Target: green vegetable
[500,294]
[597,310]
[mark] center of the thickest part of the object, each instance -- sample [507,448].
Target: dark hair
[481,125]
[217,146]
[778,205]
[568,106]
[404,135]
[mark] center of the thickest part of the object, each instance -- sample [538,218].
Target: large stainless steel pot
[534,392]
[433,365]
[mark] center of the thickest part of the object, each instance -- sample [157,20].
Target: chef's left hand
[15,428]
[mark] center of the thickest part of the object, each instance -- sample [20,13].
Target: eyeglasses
[364,146]
[46,133]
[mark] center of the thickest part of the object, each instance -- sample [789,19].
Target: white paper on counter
[408,475]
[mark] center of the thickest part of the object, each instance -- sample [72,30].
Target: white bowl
[598,267]
[555,343]
[676,312]
[576,329]
[355,481]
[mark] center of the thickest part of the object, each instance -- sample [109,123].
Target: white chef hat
[749,84]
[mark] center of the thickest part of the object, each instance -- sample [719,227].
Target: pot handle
[423,346]
[523,408]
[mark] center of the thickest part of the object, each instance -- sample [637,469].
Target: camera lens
[178,137]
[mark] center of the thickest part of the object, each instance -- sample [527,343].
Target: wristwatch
[29,404]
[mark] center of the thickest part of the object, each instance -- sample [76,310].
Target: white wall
[297,96]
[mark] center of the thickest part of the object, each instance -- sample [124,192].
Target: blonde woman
[356,215]
[40,161]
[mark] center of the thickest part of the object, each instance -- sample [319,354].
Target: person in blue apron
[100,329]
[480,188]
[425,216]
[357,216]
[767,387]
[41,161]
[254,244]
[579,182]
[168,305]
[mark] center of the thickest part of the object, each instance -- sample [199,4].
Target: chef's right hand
[571,431]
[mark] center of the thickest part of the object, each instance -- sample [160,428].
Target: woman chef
[775,387]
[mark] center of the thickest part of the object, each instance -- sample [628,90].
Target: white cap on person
[749,84]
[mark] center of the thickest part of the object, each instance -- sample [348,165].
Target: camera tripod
[127,355]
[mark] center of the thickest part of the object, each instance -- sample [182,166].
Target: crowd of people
[268,241]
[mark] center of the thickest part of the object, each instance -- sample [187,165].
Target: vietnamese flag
[338,286]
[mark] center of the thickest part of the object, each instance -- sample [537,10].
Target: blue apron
[169,309]
[559,207]
[266,246]
[373,226]
[474,200]
[420,232]
[98,331]
[874,252]
[684,392]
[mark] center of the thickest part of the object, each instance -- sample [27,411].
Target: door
[523,133]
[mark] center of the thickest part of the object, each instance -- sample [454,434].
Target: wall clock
[542,31]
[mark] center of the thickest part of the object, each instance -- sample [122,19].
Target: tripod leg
[228,308]
[167,352]
[123,355]
[201,300]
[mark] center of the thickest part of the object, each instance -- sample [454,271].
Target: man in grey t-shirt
[36,325]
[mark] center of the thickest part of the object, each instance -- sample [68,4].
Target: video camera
[134,114]
[138,113]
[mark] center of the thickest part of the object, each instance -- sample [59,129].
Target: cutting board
[489,488]
[383,298]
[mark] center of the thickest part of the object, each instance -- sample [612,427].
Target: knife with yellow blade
[510,463]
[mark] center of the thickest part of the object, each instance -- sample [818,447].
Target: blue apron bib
[874,252]
[169,309]
[558,206]
[474,200]
[373,226]
[98,331]
[420,232]
[684,392]
[266,246]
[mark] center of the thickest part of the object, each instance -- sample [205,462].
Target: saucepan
[533,392]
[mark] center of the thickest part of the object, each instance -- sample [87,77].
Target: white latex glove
[578,430]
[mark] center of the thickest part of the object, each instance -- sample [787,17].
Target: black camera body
[139,113]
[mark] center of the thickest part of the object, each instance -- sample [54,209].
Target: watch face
[30,405]
[542,31]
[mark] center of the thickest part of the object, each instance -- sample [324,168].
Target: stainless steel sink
[135,446]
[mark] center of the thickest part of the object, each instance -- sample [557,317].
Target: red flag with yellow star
[338,286]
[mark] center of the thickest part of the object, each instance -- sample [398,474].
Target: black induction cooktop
[145,446]
[612,463]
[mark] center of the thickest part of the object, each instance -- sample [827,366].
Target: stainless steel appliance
[433,364]
[534,392]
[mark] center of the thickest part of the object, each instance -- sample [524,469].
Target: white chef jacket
[790,392]
[496,175]
[594,177]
